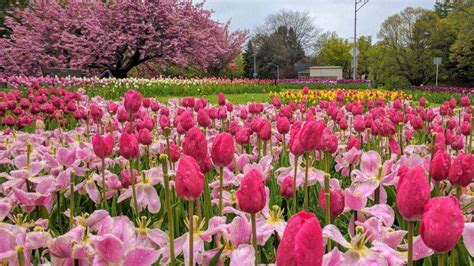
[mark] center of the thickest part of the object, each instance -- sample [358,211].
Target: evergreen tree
[248,60]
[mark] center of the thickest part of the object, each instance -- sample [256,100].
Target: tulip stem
[436,189]
[306,196]
[104,187]
[71,201]
[169,210]
[191,231]
[221,188]
[410,243]
[295,190]
[134,192]
[458,191]
[254,236]
[441,259]
[327,198]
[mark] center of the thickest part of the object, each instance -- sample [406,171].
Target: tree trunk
[119,73]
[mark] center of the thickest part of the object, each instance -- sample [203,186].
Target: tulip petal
[110,248]
[468,237]
[332,232]
[243,255]
[141,256]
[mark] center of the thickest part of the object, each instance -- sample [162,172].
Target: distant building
[322,72]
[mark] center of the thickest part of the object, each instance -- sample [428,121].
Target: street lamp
[358,4]
[278,70]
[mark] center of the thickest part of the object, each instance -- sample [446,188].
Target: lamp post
[278,71]
[358,4]
[437,61]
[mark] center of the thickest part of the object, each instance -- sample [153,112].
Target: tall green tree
[248,60]
[336,52]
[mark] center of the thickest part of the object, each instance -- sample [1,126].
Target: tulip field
[92,175]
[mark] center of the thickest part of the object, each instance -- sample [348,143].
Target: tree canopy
[115,36]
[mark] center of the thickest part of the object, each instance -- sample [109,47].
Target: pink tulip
[103,146]
[311,134]
[439,167]
[222,151]
[465,101]
[287,188]
[132,101]
[144,136]
[413,192]
[195,144]
[128,146]
[295,145]
[125,177]
[251,194]
[242,136]
[336,200]
[221,98]
[264,130]
[189,181]
[442,223]
[164,122]
[302,241]
[462,170]
[203,118]
[283,125]
[187,120]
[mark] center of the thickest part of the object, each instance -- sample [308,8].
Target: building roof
[326,67]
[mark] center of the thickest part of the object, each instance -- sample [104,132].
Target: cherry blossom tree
[115,36]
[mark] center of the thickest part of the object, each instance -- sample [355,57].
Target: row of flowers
[86,181]
[306,95]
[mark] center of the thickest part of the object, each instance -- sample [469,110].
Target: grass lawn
[233,98]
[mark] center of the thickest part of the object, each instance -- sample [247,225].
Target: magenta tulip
[103,146]
[132,101]
[251,194]
[195,144]
[189,181]
[222,151]
[413,192]
[302,241]
[336,200]
[128,146]
[462,170]
[442,223]
[311,134]
[144,136]
[439,167]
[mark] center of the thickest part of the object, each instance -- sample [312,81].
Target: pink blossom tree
[116,35]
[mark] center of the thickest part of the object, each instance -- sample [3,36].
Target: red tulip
[283,125]
[189,181]
[287,187]
[103,146]
[203,118]
[439,167]
[442,223]
[462,170]
[264,130]
[175,152]
[336,200]
[221,98]
[302,241]
[242,136]
[311,134]
[251,195]
[295,144]
[128,146]
[125,177]
[195,144]
[132,101]
[164,121]
[144,136]
[413,192]
[222,151]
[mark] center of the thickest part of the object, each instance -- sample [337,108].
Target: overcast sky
[333,15]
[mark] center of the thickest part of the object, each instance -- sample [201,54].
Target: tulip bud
[164,122]
[221,98]
[125,177]
[103,146]
[175,152]
[144,136]
[242,136]
[251,195]
[264,130]
[128,146]
[189,181]
[353,142]
[222,151]
[195,144]
[442,224]
[287,187]
[462,170]
[203,118]
[302,241]
[336,200]
[439,167]
[413,192]
[283,125]
[295,144]
[132,101]
[311,134]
